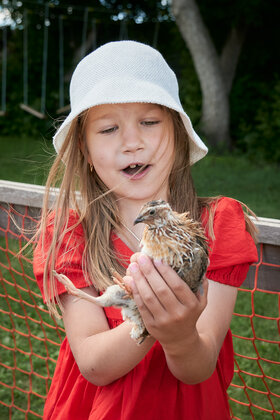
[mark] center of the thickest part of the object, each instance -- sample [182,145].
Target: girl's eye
[149,123]
[109,130]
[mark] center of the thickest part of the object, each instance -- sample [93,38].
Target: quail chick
[118,295]
[174,238]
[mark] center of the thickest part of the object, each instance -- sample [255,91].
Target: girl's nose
[132,139]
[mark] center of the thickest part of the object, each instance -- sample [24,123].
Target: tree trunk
[230,54]
[213,74]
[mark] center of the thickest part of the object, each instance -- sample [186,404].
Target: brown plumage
[175,239]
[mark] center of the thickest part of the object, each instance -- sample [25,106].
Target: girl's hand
[169,308]
[191,328]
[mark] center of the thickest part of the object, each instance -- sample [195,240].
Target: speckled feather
[175,239]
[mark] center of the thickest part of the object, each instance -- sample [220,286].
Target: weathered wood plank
[269,230]
[265,274]
[21,221]
[20,195]
[23,194]
[32,195]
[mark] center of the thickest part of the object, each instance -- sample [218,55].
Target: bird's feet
[67,283]
[117,278]
[73,290]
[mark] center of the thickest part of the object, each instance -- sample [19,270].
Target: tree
[225,83]
[215,72]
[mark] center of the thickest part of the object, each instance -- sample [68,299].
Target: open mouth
[135,169]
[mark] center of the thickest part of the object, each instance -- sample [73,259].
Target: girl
[127,141]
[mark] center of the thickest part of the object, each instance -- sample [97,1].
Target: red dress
[149,391]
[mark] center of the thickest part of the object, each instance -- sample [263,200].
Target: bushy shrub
[259,135]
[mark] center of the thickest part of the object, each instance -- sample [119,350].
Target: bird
[174,238]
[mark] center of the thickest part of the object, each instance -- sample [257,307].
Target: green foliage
[259,136]
[255,93]
[107,17]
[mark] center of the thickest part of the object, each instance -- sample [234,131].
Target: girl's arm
[191,328]
[102,355]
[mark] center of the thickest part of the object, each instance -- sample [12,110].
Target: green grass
[25,159]
[250,343]
[29,333]
[256,184]
[28,160]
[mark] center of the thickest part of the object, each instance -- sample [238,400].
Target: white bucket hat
[126,72]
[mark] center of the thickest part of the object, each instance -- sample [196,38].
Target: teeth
[132,166]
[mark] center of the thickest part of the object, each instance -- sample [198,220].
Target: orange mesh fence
[255,389]
[30,338]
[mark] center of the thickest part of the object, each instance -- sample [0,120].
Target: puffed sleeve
[233,249]
[69,257]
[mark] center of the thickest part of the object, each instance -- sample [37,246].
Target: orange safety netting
[30,338]
[256,326]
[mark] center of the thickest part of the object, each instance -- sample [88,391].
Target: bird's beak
[139,219]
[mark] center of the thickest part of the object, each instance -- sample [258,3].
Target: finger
[144,311]
[155,282]
[179,287]
[129,282]
[144,274]
[134,257]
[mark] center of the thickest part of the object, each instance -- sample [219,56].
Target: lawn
[25,159]
[29,343]
[235,176]
[29,339]
[257,185]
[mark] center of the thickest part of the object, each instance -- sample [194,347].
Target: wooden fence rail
[21,195]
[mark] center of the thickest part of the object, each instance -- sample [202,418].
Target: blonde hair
[97,209]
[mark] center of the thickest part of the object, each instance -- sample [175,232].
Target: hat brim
[131,91]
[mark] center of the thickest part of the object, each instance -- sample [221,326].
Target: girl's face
[123,138]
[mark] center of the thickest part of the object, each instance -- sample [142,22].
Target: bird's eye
[152,212]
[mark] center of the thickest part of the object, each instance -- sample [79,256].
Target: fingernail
[133,268]
[143,259]
[159,261]
[128,281]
